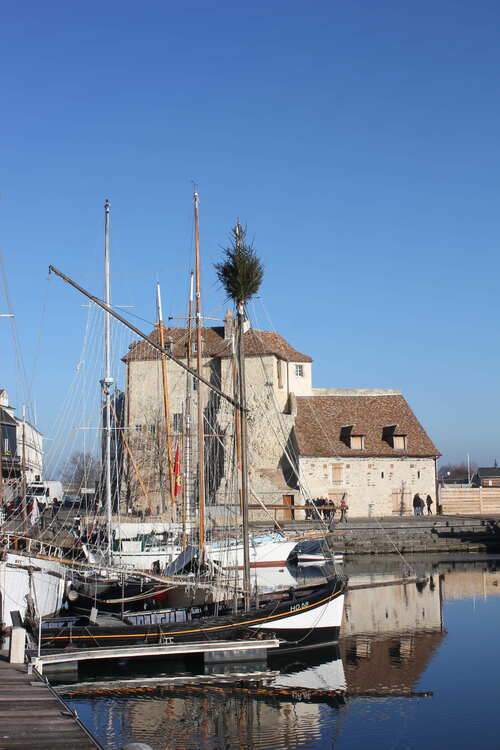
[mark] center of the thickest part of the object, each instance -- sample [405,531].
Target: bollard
[17,645]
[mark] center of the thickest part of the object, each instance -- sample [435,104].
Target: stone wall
[373,486]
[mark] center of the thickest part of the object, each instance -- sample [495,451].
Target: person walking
[343,511]
[308,508]
[416,504]
[429,501]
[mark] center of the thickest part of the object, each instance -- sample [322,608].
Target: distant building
[364,445]
[19,438]
[461,479]
[10,463]
[486,476]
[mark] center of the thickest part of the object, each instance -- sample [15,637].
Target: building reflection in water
[461,579]
[390,633]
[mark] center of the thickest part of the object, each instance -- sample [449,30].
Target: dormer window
[299,371]
[357,442]
[352,440]
[393,436]
[399,442]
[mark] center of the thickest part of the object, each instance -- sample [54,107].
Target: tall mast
[23,468]
[166,407]
[244,446]
[199,367]
[187,494]
[107,380]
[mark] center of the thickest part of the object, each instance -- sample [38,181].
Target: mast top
[159,310]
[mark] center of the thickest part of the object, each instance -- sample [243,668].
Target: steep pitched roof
[322,420]
[257,343]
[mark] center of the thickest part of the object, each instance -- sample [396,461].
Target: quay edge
[371,536]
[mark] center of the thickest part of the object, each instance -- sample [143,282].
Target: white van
[45,491]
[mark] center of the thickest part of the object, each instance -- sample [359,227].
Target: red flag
[177,473]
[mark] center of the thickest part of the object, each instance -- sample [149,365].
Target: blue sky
[358,141]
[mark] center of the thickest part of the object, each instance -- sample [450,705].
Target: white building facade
[27,444]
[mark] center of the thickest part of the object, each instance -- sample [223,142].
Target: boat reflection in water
[390,633]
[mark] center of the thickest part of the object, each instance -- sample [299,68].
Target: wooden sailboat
[300,613]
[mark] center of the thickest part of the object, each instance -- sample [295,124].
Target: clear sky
[358,140]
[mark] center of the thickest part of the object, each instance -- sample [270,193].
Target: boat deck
[31,714]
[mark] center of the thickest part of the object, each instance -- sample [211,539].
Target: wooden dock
[212,651]
[32,715]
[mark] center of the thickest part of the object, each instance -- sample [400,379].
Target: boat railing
[29,546]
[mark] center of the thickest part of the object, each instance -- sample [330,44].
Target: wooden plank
[18,731]
[29,698]
[45,743]
[16,712]
[20,690]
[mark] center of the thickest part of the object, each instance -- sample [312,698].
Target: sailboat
[285,613]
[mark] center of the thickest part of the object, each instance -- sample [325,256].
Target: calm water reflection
[417,666]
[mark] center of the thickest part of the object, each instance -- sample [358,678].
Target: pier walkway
[32,715]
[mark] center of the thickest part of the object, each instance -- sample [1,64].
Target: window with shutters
[279,373]
[337,473]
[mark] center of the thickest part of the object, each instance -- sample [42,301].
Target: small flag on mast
[177,473]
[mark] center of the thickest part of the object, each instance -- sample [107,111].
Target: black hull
[224,626]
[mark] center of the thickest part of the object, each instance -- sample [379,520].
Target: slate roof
[257,343]
[488,471]
[5,417]
[322,420]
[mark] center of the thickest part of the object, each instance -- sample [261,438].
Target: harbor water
[417,665]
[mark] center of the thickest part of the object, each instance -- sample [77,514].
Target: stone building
[303,442]
[366,446]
